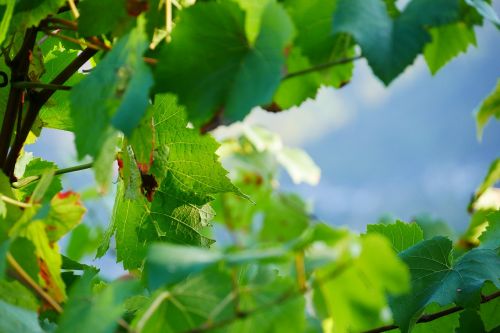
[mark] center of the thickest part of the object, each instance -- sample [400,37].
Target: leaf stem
[321,67]
[34,85]
[31,179]
[71,39]
[32,284]
[14,202]
[152,309]
[73,8]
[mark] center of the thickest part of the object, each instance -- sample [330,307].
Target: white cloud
[309,122]
[371,91]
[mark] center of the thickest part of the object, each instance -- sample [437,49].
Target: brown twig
[37,100]
[19,72]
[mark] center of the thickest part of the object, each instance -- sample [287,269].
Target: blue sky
[404,150]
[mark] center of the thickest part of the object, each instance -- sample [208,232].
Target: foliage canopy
[140,83]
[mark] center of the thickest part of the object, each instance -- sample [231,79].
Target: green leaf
[188,304]
[489,108]
[351,295]
[16,319]
[103,162]
[490,238]
[285,218]
[390,45]
[444,324]
[230,301]
[49,260]
[29,13]
[315,44]
[120,83]
[176,187]
[489,180]
[192,160]
[470,321]
[489,310]
[448,41]
[37,167]
[167,264]
[16,294]
[434,278]
[66,212]
[56,113]
[401,235]
[7,15]
[299,166]
[235,75]
[91,309]
[434,227]
[90,23]
[83,240]
[23,252]
[486,10]
[262,287]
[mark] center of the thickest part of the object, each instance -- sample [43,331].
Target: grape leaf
[435,278]
[489,180]
[90,24]
[175,209]
[432,227]
[16,294]
[83,240]
[212,298]
[401,235]
[7,15]
[235,75]
[299,166]
[28,13]
[56,113]
[444,324]
[37,167]
[486,10]
[315,44]
[352,294]
[188,304]
[470,321]
[490,238]
[489,108]
[120,84]
[489,310]
[390,45]
[66,212]
[49,260]
[17,319]
[91,310]
[448,41]
[167,264]
[285,217]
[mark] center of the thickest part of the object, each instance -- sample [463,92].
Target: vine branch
[436,315]
[19,71]
[35,85]
[321,67]
[37,100]
[31,179]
